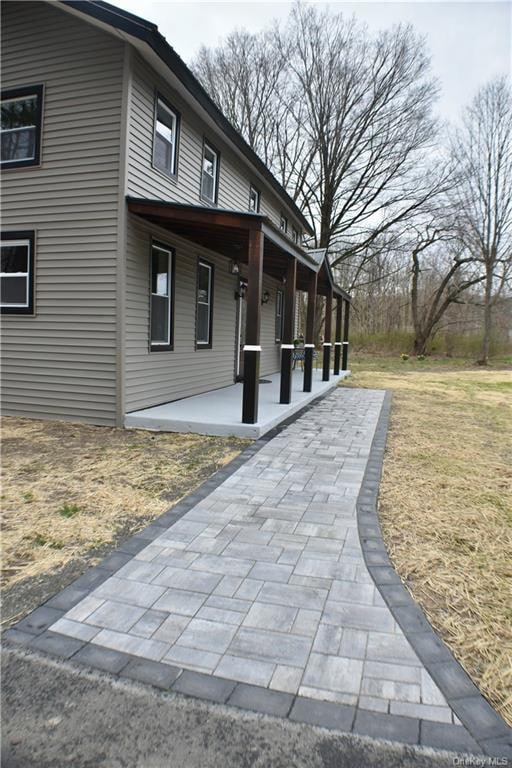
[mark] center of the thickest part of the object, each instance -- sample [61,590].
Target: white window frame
[160,102]
[21,94]
[207,147]
[205,265]
[256,192]
[26,306]
[283,224]
[162,345]
[295,235]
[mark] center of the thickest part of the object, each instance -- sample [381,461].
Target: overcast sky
[470,42]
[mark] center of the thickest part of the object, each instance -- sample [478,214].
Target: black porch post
[252,348]
[327,336]
[285,396]
[344,363]
[309,341]
[337,339]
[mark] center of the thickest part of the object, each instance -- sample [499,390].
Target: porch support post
[346,322]
[309,341]
[327,336]
[337,340]
[285,395]
[252,348]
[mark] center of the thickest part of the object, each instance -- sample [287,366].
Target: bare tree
[343,118]
[483,149]
[440,275]
[245,77]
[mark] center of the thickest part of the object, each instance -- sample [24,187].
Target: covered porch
[218,412]
[255,246]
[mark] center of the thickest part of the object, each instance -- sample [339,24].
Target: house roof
[148,33]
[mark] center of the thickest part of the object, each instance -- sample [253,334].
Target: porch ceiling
[227,233]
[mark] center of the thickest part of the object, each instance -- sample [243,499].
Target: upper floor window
[279,315]
[295,235]
[21,126]
[254,200]
[162,297]
[210,173]
[166,138]
[17,273]
[283,224]
[204,304]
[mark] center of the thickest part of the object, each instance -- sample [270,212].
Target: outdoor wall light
[240,294]
[265,298]
[234,268]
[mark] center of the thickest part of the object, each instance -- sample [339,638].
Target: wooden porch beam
[337,338]
[309,341]
[285,395]
[344,363]
[252,348]
[326,369]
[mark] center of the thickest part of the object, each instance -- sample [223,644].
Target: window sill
[162,348]
[169,176]
[208,202]
[16,165]
[17,312]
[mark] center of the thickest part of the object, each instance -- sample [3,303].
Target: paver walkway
[264,580]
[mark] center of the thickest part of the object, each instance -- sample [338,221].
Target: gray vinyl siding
[145,181]
[61,362]
[158,377]
[270,360]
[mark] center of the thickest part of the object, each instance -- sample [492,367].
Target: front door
[241,318]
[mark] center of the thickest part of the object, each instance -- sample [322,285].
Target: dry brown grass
[71,488]
[446,509]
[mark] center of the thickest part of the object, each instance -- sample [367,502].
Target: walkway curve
[270,589]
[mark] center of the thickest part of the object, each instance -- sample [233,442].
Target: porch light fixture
[240,294]
[234,268]
[265,298]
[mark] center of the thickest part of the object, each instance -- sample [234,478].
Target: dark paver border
[484,724]
[33,632]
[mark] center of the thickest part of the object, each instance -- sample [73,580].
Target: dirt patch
[70,492]
[446,509]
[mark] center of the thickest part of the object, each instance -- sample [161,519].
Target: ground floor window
[162,297]
[204,304]
[17,273]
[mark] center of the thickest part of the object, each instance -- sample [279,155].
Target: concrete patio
[219,412]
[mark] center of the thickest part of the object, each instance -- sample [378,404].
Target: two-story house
[148,255]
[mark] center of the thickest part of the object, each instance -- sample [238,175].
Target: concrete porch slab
[219,412]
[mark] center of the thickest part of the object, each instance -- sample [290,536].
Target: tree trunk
[421,344]
[486,344]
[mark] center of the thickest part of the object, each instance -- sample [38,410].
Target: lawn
[71,492]
[446,503]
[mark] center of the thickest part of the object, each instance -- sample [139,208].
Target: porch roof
[227,233]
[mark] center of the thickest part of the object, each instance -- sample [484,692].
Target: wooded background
[416,213]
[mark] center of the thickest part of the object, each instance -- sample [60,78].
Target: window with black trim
[20,128]
[279,315]
[210,173]
[162,298]
[17,273]
[295,235]
[165,148]
[254,199]
[283,224]
[205,272]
